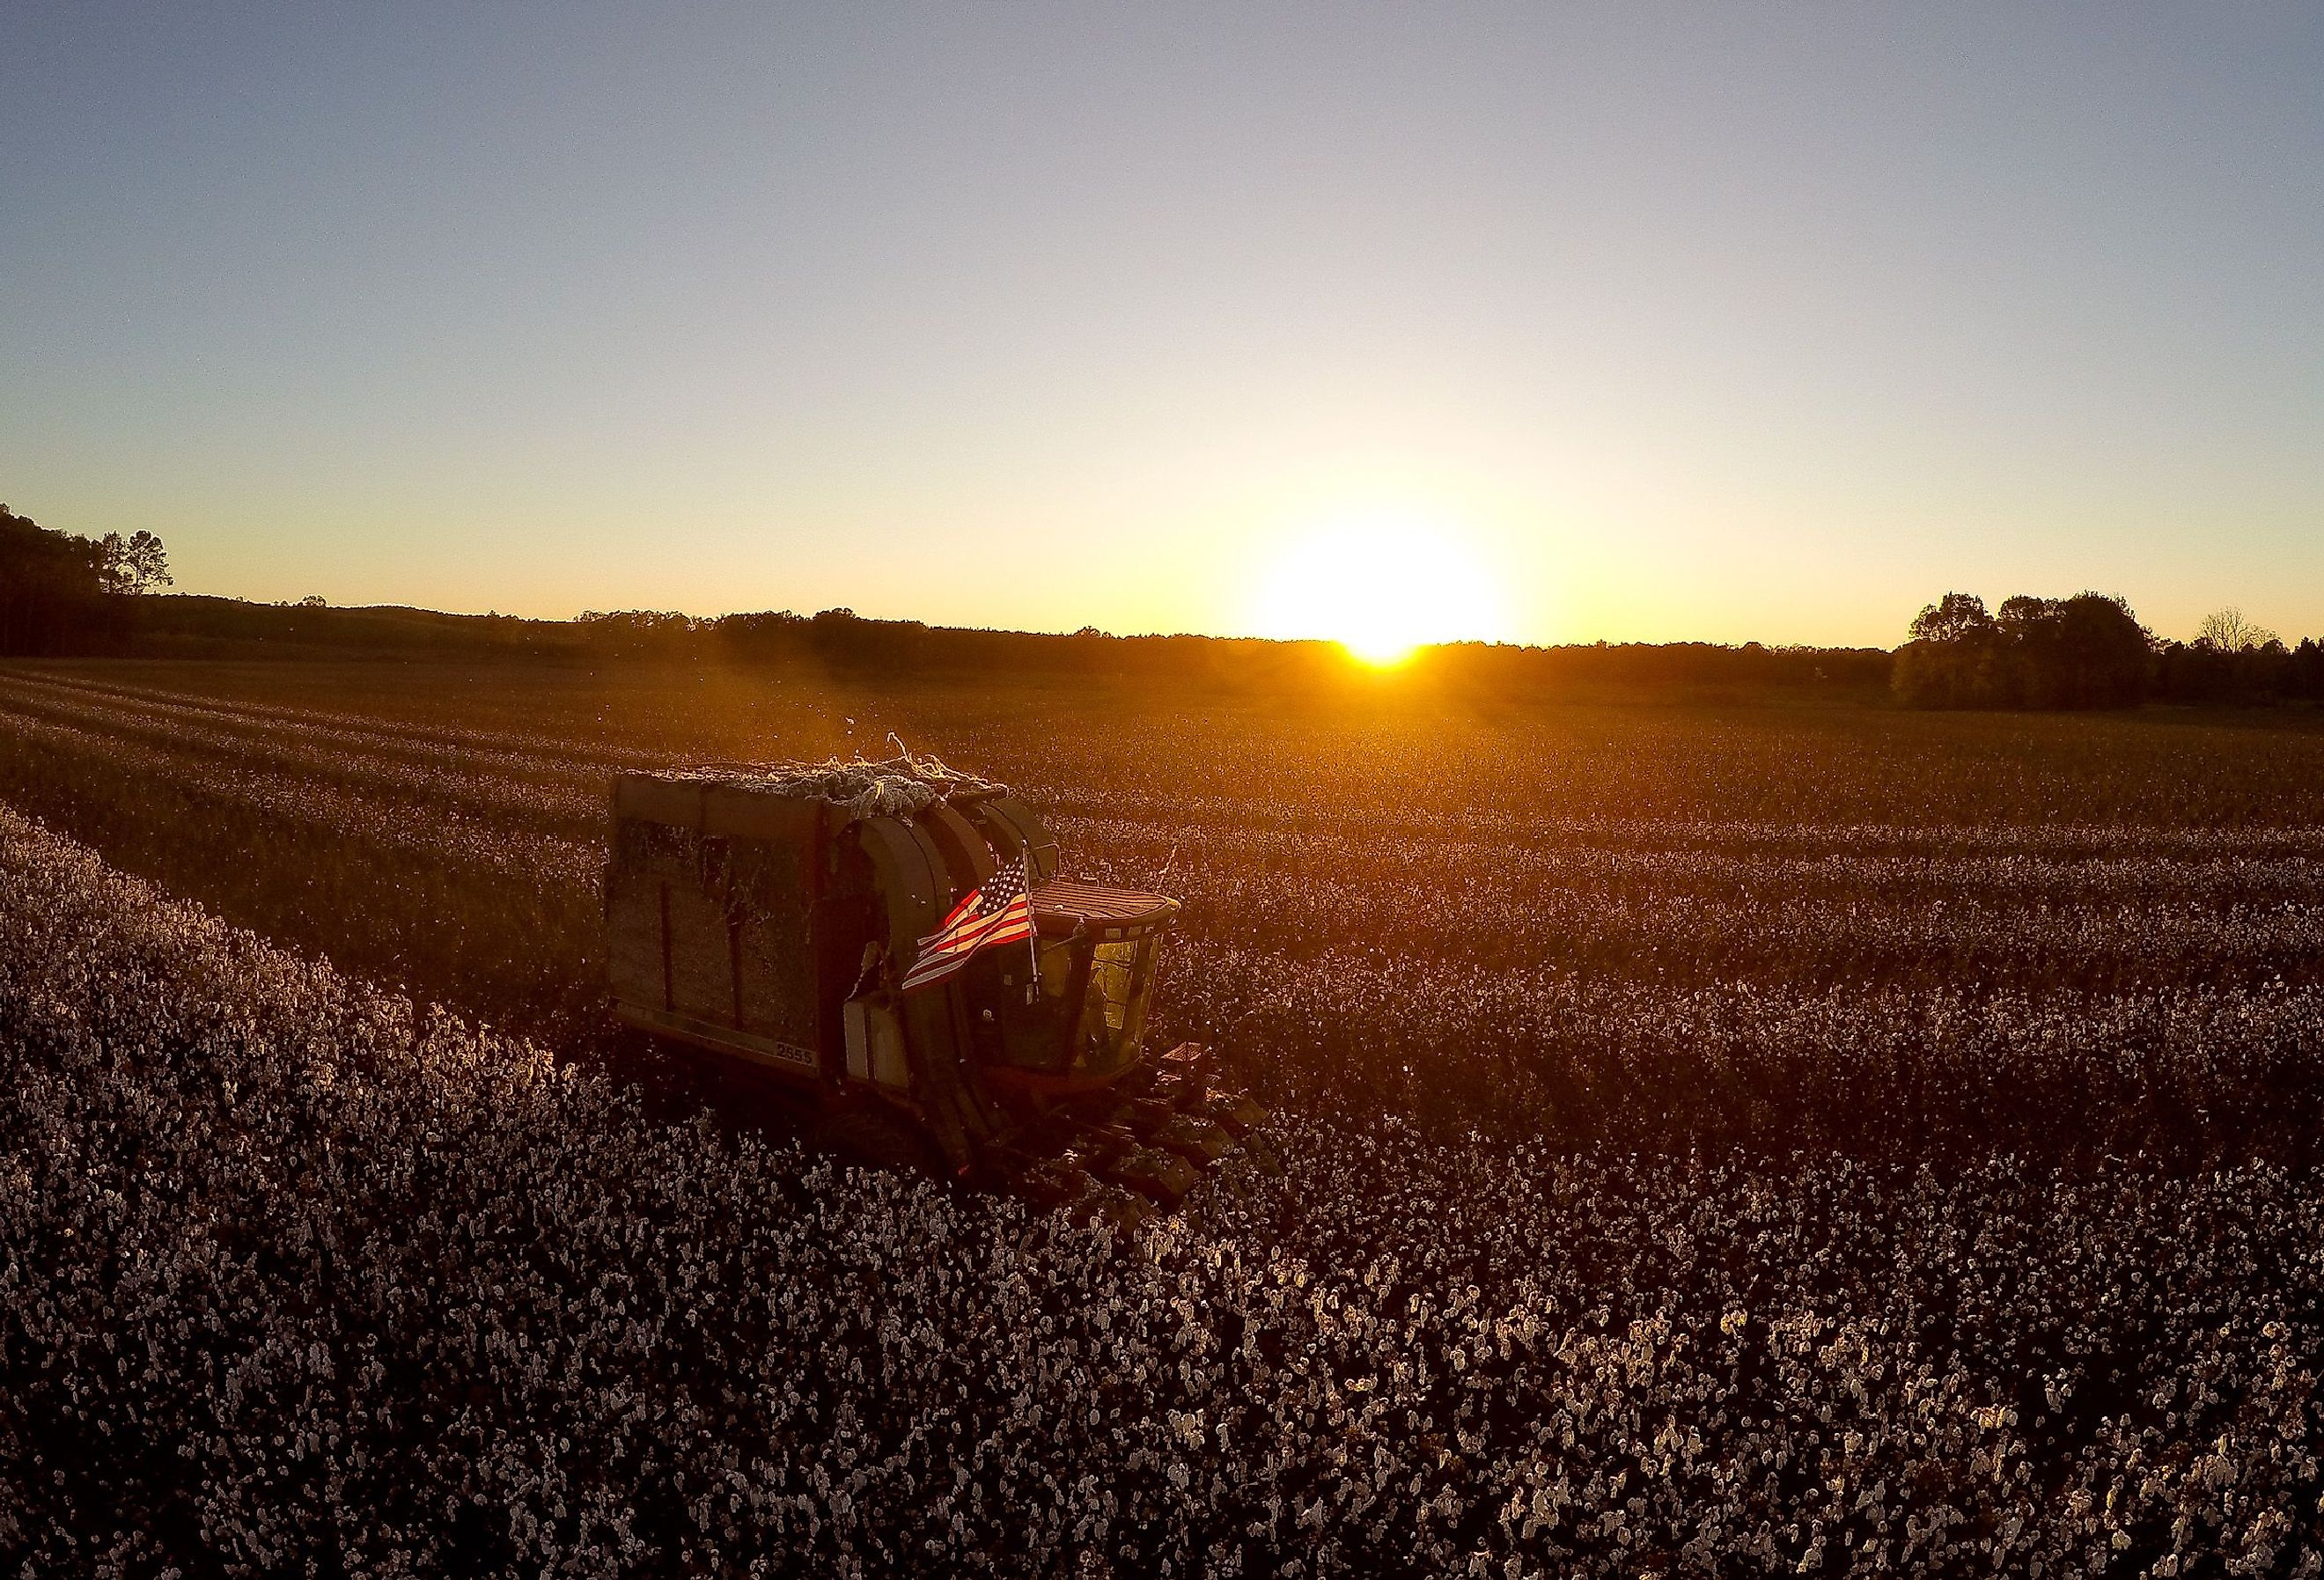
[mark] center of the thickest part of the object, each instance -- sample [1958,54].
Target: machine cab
[1081,1021]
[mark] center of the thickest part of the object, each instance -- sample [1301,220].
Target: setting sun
[1381,587]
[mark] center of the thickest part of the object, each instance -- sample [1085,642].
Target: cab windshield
[1087,1018]
[1113,1007]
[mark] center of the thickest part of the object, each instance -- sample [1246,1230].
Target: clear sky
[1706,322]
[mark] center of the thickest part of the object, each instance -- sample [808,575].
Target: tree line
[2090,651]
[842,639]
[62,594]
[63,615]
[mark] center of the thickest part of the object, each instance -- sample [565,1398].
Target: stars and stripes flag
[999,911]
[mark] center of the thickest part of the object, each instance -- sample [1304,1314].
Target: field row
[534,782]
[1110,751]
[2085,907]
[1951,988]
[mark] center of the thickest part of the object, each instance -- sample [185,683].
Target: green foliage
[2088,650]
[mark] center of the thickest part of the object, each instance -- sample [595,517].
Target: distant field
[1718,1140]
[1778,925]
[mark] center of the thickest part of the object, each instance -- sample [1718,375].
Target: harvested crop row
[443,905]
[564,802]
[461,831]
[384,736]
[531,711]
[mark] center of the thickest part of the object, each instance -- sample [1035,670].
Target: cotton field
[1719,1142]
[295,1276]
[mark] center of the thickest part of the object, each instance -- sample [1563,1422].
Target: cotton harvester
[811,922]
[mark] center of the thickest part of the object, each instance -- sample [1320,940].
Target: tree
[2024,618]
[2088,650]
[639,632]
[2227,630]
[1955,617]
[1953,658]
[136,564]
[2100,655]
[52,590]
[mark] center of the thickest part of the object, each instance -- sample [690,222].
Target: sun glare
[1381,587]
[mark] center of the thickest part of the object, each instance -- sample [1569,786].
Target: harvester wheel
[867,1133]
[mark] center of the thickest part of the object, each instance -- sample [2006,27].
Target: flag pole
[1032,923]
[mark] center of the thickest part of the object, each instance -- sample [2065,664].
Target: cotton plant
[293,1268]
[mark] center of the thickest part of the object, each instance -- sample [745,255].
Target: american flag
[999,912]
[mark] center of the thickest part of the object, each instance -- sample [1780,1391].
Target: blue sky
[1745,322]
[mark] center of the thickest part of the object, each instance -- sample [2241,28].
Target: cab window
[1113,1006]
[1031,1036]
